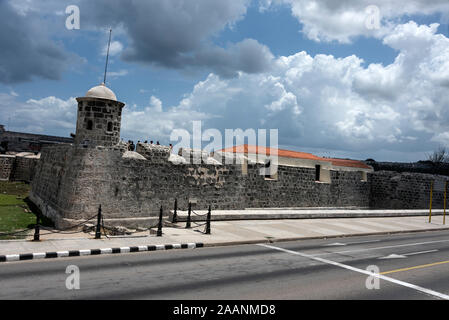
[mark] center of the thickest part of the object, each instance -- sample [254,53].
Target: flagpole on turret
[107,57]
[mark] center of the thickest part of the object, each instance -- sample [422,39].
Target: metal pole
[188,216]
[445,193]
[430,205]
[208,222]
[175,212]
[107,57]
[159,225]
[37,228]
[98,230]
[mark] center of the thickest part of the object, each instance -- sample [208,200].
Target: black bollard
[175,212]
[159,225]
[188,216]
[37,228]
[208,222]
[98,229]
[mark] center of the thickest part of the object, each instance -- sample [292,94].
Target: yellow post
[445,191]
[430,205]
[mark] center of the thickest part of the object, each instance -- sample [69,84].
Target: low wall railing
[101,228]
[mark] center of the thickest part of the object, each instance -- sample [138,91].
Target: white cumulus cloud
[329,20]
[49,115]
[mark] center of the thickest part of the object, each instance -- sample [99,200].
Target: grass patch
[11,200]
[15,218]
[17,212]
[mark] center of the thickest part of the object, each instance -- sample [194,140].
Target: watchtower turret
[99,117]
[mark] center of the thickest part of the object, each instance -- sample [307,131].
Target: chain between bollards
[188,216]
[208,221]
[175,212]
[37,228]
[98,229]
[159,225]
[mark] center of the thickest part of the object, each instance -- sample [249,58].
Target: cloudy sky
[323,72]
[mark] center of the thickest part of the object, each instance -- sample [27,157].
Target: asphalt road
[412,266]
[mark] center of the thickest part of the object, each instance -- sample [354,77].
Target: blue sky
[329,84]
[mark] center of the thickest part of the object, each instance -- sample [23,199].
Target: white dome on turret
[101,92]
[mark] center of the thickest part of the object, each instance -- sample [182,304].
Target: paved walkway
[230,232]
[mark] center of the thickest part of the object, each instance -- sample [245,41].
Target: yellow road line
[416,267]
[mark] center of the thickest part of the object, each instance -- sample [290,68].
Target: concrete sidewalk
[230,232]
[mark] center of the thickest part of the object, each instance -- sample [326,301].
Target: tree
[439,156]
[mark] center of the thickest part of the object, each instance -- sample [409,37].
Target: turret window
[90,125]
[109,126]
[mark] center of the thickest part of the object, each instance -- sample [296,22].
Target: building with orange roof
[323,166]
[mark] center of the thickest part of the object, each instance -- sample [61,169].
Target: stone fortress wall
[71,182]
[18,167]
[406,190]
[6,166]
[19,153]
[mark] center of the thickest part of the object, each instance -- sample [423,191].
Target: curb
[78,253]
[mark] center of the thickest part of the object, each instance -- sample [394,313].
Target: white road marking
[346,243]
[419,252]
[334,244]
[384,247]
[380,276]
[393,256]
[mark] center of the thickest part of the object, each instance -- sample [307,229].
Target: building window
[269,175]
[322,174]
[267,170]
[317,172]
[109,126]
[364,176]
[90,124]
